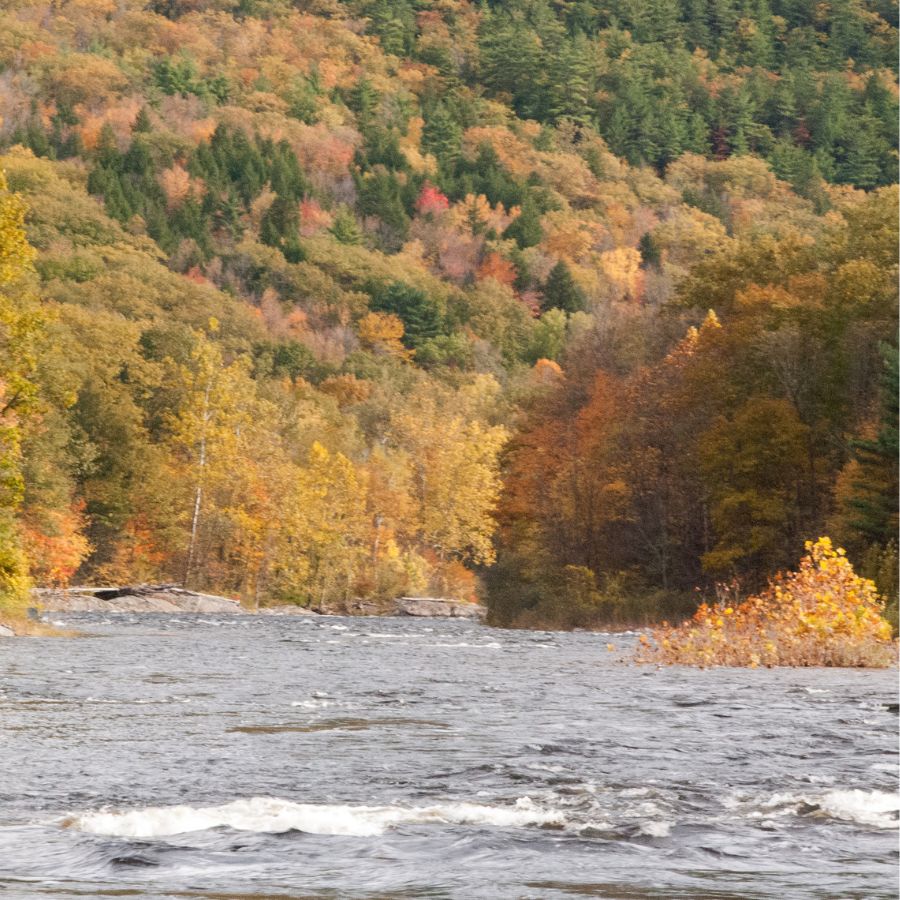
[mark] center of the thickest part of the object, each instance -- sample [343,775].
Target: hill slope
[304,269]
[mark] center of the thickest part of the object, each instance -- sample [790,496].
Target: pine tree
[661,21]
[570,82]
[419,313]
[363,99]
[863,154]
[561,292]
[875,492]
[345,228]
[526,229]
[107,153]
[442,136]
[138,159]
[142,123]
[650,252]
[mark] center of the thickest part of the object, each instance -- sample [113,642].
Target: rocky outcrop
[144,598]
[290,610]
[6,632]
[436,606]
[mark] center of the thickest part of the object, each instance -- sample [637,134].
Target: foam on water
[272,815]
[878,809]
[656,829]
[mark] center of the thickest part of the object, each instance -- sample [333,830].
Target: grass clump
[824,614]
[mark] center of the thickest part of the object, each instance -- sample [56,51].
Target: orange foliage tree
[55,545]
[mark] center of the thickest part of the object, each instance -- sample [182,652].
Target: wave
[273,816]
[877,809]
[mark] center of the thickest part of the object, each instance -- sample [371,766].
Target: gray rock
[287,610]
[438,607]
[6,632]
[144,598]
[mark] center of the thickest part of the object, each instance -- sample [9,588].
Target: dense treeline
[806,86]
[324,292]
[717,460]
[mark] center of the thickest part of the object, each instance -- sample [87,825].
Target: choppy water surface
[320,757]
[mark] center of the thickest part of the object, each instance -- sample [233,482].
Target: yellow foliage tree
[383,333]
[208,435]
[325,533]
[456,479]
[824,614]
[20,327]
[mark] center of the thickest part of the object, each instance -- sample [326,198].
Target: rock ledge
[142,598]
[437,606]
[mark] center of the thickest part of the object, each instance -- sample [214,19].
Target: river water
[252,757]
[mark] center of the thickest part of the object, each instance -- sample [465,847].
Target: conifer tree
[442,136]
[874,493]
[142,123]
[420,314]
[560,291]
[345,228]
[526,229]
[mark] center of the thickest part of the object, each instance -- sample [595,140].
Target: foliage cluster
[823,614]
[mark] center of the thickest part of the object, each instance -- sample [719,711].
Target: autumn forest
[584,309]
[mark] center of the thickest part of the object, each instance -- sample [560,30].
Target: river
[263,757]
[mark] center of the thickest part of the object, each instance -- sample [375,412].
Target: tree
[456,479]
[526,229]
[754,463]
[325,536]
[345,228]
[870,505]
[383,333]
[442,136]
[142,122]
[215,409]
[560,290]
[419,313]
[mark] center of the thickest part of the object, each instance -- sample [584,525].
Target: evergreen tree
[649,249]
[345,228]
[526,229]
[442,136]
[107,153]
[862,154]
[561,292]
[571,82]
[419,313]
[363,99]
[875,493]
[142,123]
[138,160]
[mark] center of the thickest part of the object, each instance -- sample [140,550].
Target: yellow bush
[824,614]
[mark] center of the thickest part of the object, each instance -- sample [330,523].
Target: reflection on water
[162,757]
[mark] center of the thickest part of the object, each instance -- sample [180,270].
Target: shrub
[824,614]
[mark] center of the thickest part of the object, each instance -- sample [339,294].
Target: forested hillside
[578,305]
